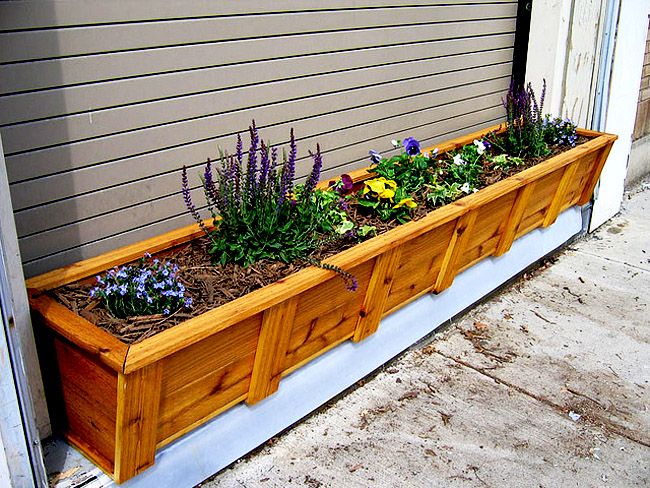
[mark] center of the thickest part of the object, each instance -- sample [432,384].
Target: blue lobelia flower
[411,146]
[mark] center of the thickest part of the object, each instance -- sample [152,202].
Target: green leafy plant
[524,135]
[262,215]
[386,199]
[442,193]
[146,288]
[505,162]
[410,169]
[560,132]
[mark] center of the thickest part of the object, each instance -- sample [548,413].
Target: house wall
[567,43]
[102,103]
[639,164]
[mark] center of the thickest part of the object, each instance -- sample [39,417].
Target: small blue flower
[166,311]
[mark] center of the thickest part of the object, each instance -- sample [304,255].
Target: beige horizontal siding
[97,39]
[56,13]
[101,106]
[64,211]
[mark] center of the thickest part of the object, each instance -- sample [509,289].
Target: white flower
[458,160]
[394,143]
[434,153]
[465,188]
[480,146]
[426,154]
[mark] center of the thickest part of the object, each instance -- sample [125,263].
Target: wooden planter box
[119,403]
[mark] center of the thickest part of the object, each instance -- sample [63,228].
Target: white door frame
[21,458]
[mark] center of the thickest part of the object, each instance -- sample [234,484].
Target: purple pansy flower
[375,157]
[411,146]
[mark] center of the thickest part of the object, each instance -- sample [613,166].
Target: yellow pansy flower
[381,186]
[406,202]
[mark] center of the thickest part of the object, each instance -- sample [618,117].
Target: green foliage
[524,134]
[409,172]
[442,193]
[145,288]
[386,199]
[505,162]
[264,232]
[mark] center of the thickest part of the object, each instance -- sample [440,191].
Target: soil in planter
[213,285]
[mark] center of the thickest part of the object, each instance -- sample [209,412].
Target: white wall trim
[622,105]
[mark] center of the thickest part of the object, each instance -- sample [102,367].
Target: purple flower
[375,157]
[312,181]
[346,182]
[187,197]
[411,146]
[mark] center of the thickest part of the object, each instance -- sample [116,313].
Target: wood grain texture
[88,394]
[457,244]
[206,376]
[597,170]
[137,419]
[94,341]
[271,349]
[376,298]
[148,394]
[513,221]
[560,194]
[485,237]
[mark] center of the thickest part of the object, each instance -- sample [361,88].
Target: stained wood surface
[138,401]
[85,335]
[514,219]
[88,390]
[206,376]
[271,349]
[377,293]
[170,383]
[459,240]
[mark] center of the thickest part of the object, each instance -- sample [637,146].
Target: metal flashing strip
[212,447]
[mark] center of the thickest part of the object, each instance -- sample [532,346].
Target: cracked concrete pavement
[546,384]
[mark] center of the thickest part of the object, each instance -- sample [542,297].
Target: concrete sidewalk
[547,384]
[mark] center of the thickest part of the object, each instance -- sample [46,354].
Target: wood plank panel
[513,221]
[486,236]
[325,314]
[89,393]
[87,97]
[540,200]
[201,400]
[460,238]
[419,265]
[374,303]
[137,419]
[63,42]
[271,349]
[213,353]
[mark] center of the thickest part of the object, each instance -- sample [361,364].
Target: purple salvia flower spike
[265,166]
[187,197]
[251,170]
[314,177]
